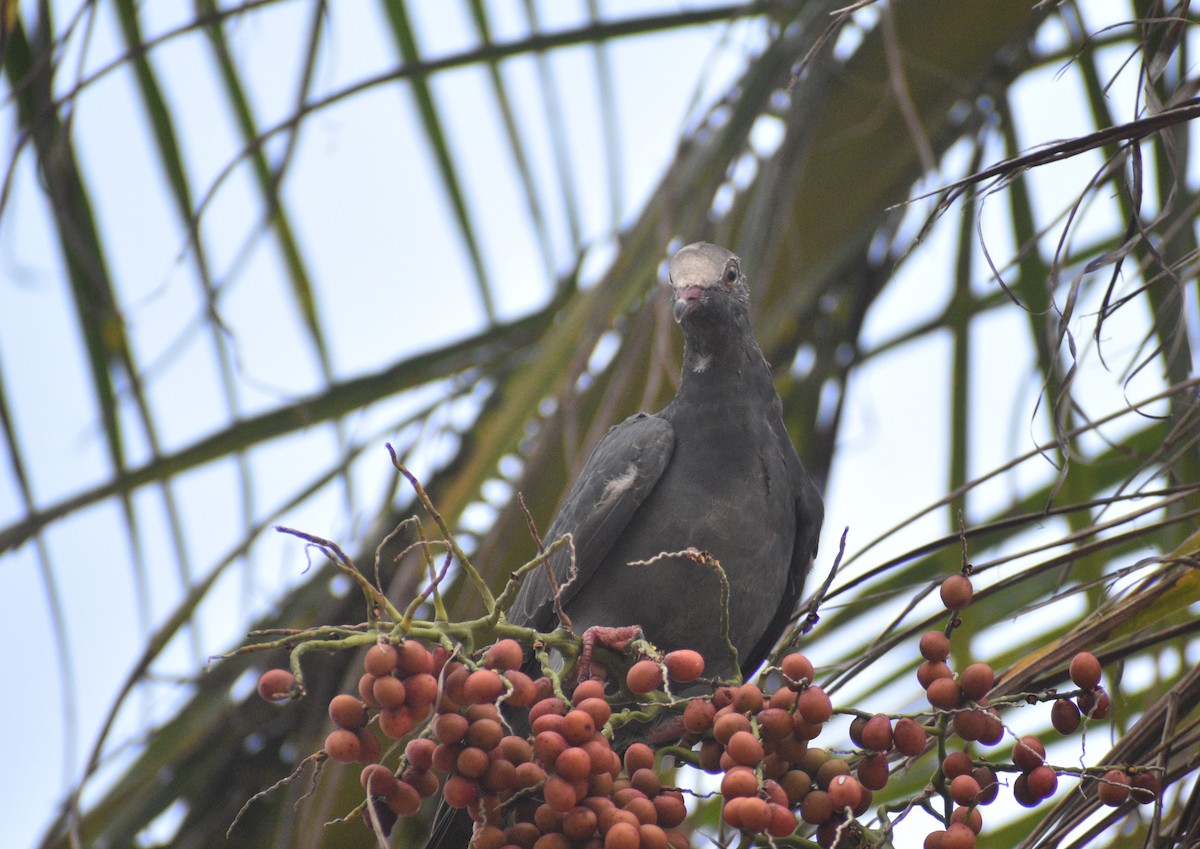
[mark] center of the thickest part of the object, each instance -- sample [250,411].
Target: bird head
[706,279]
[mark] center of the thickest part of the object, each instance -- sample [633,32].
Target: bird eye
[731,272]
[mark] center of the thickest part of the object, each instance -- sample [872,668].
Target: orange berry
[380,659]
[956,592]
[845,792]
[347,711]
[483,686]
[684,665]
[343,746]
[504,654]
[643,677]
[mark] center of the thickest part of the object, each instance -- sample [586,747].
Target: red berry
[698,716]
[739,781]
[976,680]
[873,771]
[935,646]
[930,671]
[814,706]
[944,694]
[1028,753]
[1113,788]
[958,836]
[1094,705]
[275,685]
[968,816]
[745,748]
[376,779]
[877,733]
[1043,781]
[638,756]
[347,711]
[1085,671]
[956,592]
[1145,788]
[845,792]
[684,665]
[503,655]
[483,686]
[459,792]
[797,669]
[343,746]
[989,784]
[380,659]
[909,737]
[956,764]
[964,789]
[1064,716]
[643,677]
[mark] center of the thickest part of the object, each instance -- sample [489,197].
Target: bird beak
[687,300]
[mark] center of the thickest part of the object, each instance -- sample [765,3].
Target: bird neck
[728,359]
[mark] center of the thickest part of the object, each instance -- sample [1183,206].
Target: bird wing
[622,470]
[810,513]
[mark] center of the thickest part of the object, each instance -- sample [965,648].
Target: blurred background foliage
[1012,299]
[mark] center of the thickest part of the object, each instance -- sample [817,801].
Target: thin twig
[489,601]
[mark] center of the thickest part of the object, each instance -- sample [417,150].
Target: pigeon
[715,472]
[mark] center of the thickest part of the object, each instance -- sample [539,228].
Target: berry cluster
[964,708]
[546,775]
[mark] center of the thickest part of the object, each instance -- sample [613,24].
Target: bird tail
[452,828]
